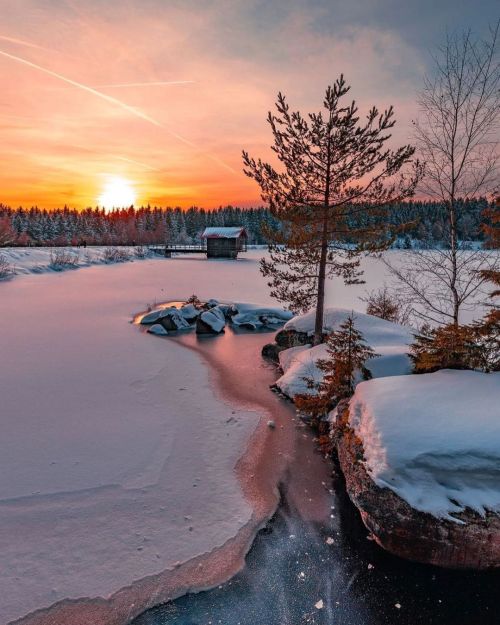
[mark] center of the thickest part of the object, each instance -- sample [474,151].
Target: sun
[117,193]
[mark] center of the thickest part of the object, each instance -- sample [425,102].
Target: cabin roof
[219,232]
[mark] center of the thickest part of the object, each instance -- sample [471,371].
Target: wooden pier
[167,250]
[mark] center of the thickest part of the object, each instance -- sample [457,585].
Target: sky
[155,99]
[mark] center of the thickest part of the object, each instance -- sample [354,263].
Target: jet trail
[21,42]
[79,85]
[111,100]
[126,85]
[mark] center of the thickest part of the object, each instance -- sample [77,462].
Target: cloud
[238,53]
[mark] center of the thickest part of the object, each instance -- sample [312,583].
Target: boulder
[473,542]
[190,312]
[155,315]
[157,329]
[291,338]
[211,321]
[172,320]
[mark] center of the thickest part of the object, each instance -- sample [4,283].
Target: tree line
[425,224]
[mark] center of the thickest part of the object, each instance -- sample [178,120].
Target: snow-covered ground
[116,456]
[434,439]
[389,340]
[26,260]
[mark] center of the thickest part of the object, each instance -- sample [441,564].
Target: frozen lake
[316,549]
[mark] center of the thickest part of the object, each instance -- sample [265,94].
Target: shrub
[387,305]
[6,269]
[141,251]
[115,255]
[194,300]
[63,259]
[475,346]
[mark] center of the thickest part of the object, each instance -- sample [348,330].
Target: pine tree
[347,354]
[339,179]
[445,347]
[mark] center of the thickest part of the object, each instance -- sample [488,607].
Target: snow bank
[433,439]
[28,260]
[256,316]
[389,340]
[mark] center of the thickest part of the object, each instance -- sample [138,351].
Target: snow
[256,316]
[433,439]
[226,232]
[214,318]
[111,437]
[26,260]
[157,329]
[389,340]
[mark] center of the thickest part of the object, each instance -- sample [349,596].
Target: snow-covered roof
[219,232]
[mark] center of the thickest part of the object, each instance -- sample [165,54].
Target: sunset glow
[168,94]
[117,193]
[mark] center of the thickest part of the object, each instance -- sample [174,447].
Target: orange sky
[177,144]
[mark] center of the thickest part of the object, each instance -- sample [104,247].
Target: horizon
[153,103]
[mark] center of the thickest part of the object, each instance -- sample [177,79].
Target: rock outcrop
[473,542]
[284,339]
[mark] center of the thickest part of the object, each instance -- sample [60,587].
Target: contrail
[21,42]
[79,85]
[126,85]
[129,160]
[111,100]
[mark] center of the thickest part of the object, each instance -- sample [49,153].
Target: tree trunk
[454,273]
[320,303]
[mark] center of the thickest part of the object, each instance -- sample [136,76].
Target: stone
[473,543]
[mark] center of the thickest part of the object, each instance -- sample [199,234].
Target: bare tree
[338,179]
[457,138]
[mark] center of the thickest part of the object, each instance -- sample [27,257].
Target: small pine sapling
[347,354]
[194,300]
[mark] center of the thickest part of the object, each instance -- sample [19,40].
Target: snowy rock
[155,315]
[253,316]
[172,320]
[157,329]
[189,312]
[389,340]
[212,303]
[211,321]
[420,455]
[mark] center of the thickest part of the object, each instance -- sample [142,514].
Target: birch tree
[457,138]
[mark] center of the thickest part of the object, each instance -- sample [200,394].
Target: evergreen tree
[347,354]
[445,347]
[337,171]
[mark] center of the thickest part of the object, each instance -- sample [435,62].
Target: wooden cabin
[225,242]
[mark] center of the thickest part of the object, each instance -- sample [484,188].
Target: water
[313,562]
